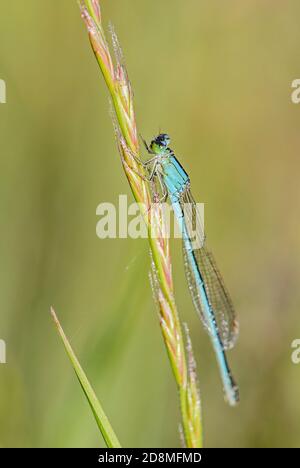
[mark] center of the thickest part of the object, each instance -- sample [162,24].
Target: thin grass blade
[103,423]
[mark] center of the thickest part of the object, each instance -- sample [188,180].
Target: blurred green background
[217,77]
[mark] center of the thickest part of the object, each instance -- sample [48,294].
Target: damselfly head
[162,140]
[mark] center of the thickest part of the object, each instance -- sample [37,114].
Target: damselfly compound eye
[163,140]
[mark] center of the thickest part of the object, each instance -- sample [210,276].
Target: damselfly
[210,297]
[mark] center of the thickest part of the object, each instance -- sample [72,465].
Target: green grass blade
[103,423]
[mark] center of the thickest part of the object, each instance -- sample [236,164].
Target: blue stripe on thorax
[175,177]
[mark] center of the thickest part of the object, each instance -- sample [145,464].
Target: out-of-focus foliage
[216,76]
